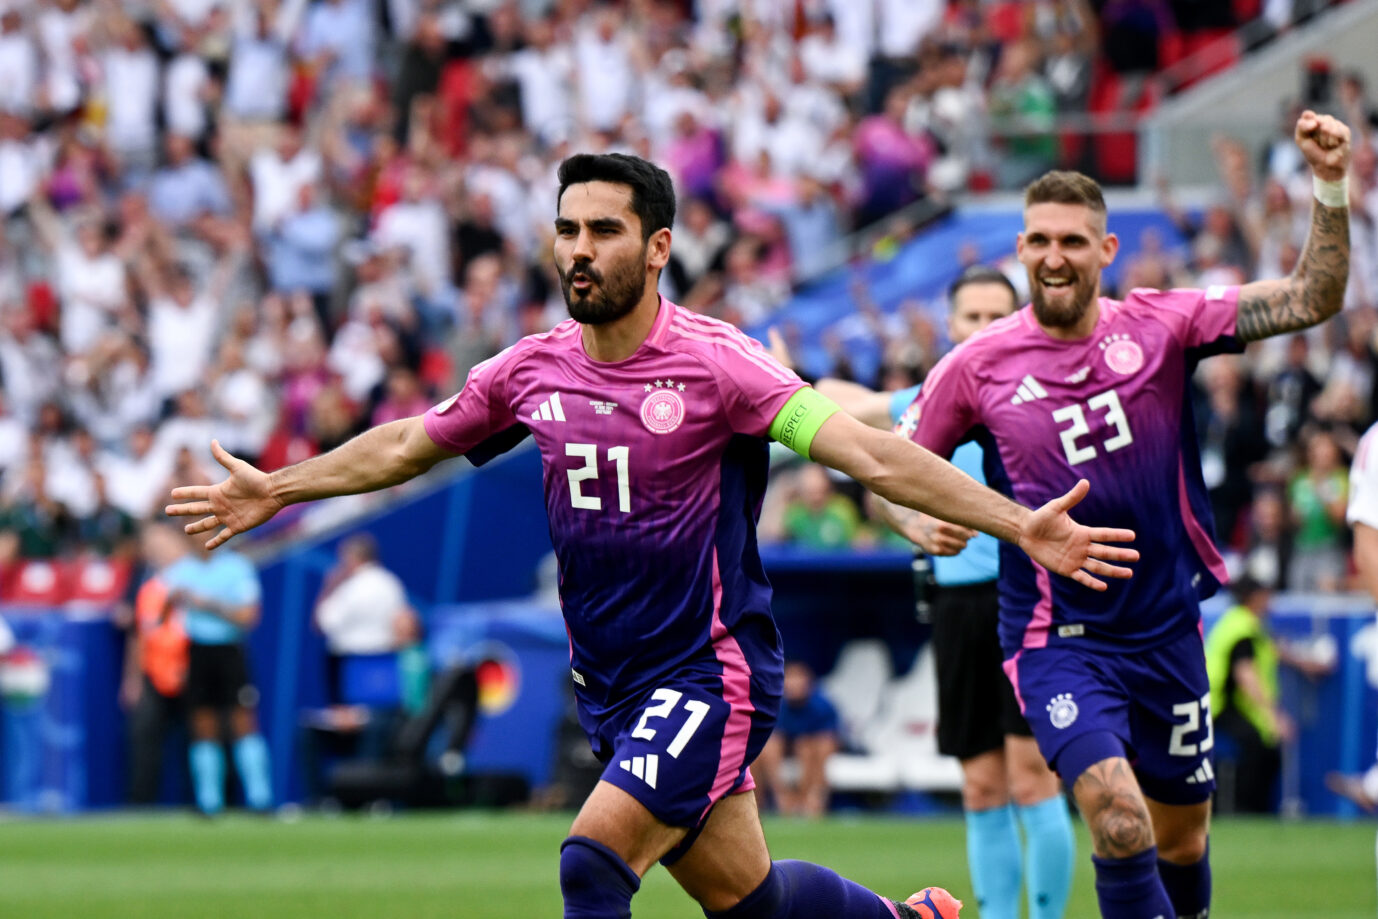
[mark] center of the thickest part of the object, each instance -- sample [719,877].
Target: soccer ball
[935,903]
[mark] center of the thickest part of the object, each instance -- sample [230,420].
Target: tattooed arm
[1314,291]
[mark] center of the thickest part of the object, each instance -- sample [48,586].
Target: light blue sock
[251,758]
[993,859]
[1050,853]
[208,775]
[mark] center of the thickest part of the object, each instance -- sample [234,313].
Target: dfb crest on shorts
[663,408]
[1062,711]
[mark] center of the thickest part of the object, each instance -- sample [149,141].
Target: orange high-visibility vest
[162,640]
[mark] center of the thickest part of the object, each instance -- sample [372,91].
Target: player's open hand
[1060,544]
[1324,141]
[239,503]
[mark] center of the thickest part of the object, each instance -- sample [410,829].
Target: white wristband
[1331,194]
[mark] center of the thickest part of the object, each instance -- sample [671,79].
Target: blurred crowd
[278,222]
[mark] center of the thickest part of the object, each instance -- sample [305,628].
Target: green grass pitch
[472,865]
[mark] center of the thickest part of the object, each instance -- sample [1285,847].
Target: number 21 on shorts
[666,700]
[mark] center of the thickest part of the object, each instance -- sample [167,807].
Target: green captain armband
[801,418]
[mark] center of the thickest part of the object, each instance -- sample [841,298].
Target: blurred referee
[220,595]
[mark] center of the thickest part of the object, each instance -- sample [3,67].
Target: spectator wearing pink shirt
[893,163]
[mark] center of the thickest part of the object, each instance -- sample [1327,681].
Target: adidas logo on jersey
[549,410]
[643,767]
[1029,390]
[1204,773]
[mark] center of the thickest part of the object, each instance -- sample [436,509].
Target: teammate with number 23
[652,424]
[1076,386]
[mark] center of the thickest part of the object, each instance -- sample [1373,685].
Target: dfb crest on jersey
[662,411]
[1062,711]
[1122,354]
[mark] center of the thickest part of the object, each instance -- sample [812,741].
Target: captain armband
[798,422]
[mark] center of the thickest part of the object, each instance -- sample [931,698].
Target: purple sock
[594,881]
[1188,886]
[800,890]
[1129,888]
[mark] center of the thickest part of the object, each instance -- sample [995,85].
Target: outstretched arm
[380,457]
[907,474]
[1315,290]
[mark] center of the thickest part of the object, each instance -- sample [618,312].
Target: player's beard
[1064,313]
[612,296]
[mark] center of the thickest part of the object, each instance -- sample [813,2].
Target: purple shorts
[1157,702]
[686,743]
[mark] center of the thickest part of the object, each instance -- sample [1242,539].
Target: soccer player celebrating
[652,424]
[1078,386]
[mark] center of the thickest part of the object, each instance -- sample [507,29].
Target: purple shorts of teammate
[1156,703]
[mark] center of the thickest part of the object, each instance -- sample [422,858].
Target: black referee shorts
[976,704]
[218,677]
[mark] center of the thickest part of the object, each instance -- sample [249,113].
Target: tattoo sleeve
[1312,293]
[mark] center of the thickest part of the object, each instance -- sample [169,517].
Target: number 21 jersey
[1113,408]
[654,470]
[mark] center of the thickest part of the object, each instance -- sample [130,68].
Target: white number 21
[667,699]
[589,454]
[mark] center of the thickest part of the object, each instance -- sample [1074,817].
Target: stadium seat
[98,582]
[409,776]
[38,582]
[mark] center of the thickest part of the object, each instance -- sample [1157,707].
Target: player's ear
[658,249]
[1109,247]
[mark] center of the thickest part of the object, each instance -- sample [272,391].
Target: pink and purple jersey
[1113,408]
[654,471]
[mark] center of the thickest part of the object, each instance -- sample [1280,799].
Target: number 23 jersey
[654,471]
[1113,408]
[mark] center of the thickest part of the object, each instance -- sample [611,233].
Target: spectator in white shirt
[543,70]
[14,440]
[363,608]
[18,64]
[135,476]
[243,402]
[418,224]
[19,164]
[88,275]
[829,60]
[182,325]
[277,176]
[62,28]
[129,77]
[30,362]
[605,72]
[186,88]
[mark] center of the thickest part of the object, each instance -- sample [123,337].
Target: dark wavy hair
[653,193]
[1067,187]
